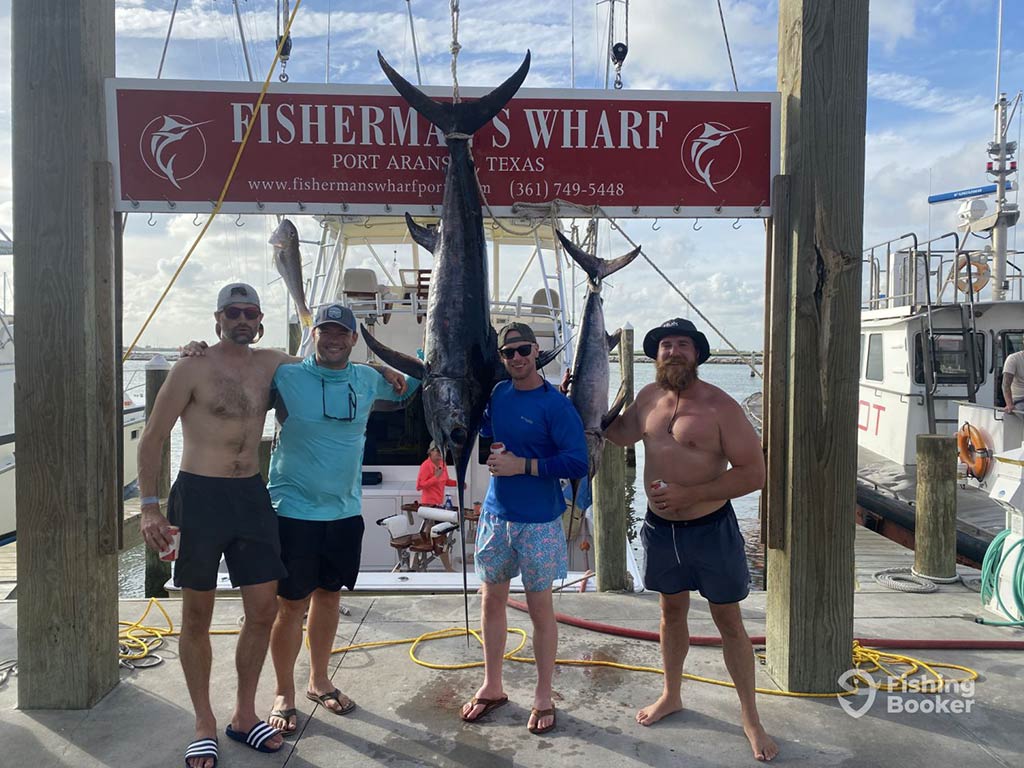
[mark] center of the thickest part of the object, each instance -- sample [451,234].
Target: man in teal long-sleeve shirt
[323,404]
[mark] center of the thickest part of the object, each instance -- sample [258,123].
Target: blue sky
[931,87]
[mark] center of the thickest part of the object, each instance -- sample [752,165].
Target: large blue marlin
[461,362]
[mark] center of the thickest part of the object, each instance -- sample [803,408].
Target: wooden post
[610,520]
[626,370]
[823,80]
[935,511]
[294,337]
[66,395]
[158,571]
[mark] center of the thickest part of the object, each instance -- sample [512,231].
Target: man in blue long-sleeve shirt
[520,527]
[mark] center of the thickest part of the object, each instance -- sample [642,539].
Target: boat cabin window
[875,371]
[863,350]
[950,359]
[1007,342]
[397,436]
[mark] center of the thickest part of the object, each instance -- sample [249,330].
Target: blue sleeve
[567,434]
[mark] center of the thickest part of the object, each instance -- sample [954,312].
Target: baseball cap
[517,332]
[677,326]
[338,314]
[237,293]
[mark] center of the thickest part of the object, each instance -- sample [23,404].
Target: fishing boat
[134,421]
[939,317]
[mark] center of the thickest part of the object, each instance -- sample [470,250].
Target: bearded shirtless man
[692,433]
[221,506]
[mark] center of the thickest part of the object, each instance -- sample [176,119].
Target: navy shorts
[229,516]
[319,554]
[705,554]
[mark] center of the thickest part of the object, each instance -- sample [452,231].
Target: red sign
[363,150]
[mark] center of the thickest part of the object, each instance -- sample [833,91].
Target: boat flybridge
[372,265]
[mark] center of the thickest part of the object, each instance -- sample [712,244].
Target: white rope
[415,48]
[167,40]
[455,48]
[902,580]
[728,49]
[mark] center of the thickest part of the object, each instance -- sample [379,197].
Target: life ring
[973,451]
[979,276]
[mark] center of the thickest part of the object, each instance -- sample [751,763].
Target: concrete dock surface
[407,714]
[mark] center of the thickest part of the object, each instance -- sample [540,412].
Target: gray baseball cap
[237,293]
[338,314]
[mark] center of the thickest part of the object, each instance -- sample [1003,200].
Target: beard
[675,375]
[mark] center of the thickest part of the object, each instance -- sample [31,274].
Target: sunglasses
[524,350]
[351,403]
[233,313]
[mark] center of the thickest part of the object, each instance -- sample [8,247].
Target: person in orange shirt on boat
[433,478]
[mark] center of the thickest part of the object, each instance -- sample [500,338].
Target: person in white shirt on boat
[1013,382]
[701,451]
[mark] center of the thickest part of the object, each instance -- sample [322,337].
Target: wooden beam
[611,520]
[65,398]
[935,510]
[823,79]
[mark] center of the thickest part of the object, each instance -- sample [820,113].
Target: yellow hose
[139,640]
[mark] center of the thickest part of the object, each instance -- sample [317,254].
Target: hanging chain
[286,48]
[619,50]
[455,48]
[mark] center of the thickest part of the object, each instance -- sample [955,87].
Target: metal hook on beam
[152,221]
[655,226]
[239,222]
[195,221]
[736,224]
[696,225]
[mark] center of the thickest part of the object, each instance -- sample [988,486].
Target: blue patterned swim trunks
[504,549]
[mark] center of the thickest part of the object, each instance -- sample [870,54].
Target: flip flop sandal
[256,738]
[335,695]
[286,715]
[201,748]
[537,715]
[488,706]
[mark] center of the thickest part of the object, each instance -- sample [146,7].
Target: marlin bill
[288,260]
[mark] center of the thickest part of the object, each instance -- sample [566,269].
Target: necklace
[674,412]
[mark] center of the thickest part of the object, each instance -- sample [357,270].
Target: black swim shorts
[319,554]
[705,554]
[230,516]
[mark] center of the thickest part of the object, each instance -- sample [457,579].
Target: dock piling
[610,520]
[626,370]
[935,510]
[158,571]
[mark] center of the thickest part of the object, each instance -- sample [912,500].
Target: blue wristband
[149,500]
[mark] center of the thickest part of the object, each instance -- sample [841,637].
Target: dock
[408,714]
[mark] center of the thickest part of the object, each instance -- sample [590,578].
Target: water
[734,379]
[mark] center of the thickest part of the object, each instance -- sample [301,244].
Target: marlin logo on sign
[167,137]
[712,153]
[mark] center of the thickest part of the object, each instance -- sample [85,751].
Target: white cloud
[892,21]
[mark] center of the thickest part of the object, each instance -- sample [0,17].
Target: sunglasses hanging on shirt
[334,413]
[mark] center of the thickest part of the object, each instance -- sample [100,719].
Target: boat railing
[386,305]
[6,331]
[905,271]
